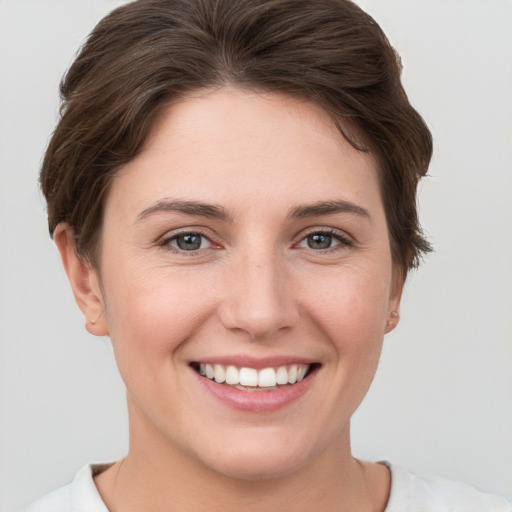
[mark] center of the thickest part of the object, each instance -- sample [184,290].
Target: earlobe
[394,302]
[392,322]
[84,281]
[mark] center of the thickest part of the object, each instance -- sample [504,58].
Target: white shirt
[409,493]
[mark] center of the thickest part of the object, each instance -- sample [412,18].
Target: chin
[262,460]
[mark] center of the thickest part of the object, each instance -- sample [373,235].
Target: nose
[260,299]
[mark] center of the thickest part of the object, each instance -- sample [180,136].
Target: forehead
[233,145]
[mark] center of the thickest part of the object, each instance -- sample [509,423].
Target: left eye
[189,242]
[319,241]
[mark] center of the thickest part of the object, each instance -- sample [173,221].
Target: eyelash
[343,241]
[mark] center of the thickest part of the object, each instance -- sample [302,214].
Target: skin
[255,288]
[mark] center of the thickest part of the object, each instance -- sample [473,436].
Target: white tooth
[292,374]
[248,377]
[232,375]
[267,378]
[209,371]
[220,373]
[301,373]
[282,375]
[202,369]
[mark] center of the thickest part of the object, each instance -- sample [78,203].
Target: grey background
[442,398]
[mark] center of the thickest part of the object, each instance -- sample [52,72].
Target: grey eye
[189,242]
[319,241]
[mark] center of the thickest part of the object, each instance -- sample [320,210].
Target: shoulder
[422,494]
[80,495]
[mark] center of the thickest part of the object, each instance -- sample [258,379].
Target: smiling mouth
[251,379]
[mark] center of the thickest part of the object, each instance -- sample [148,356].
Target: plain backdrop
[441,402]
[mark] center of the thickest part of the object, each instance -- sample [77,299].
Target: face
[247,242]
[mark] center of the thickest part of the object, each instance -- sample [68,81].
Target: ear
[84,281]
[395,297]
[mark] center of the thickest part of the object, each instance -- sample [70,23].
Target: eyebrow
[197,208]
[213,211]
[327,208]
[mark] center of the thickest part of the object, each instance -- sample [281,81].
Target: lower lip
[257,401]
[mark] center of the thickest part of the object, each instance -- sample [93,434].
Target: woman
[232,191]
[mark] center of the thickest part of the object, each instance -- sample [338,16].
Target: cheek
[353,303]
[352,313]
[153,312]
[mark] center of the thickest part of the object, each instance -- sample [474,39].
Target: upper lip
[258,363]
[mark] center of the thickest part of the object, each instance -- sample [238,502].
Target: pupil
[189,242]
[319,241]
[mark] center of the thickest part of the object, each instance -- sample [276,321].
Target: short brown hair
[149,52]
